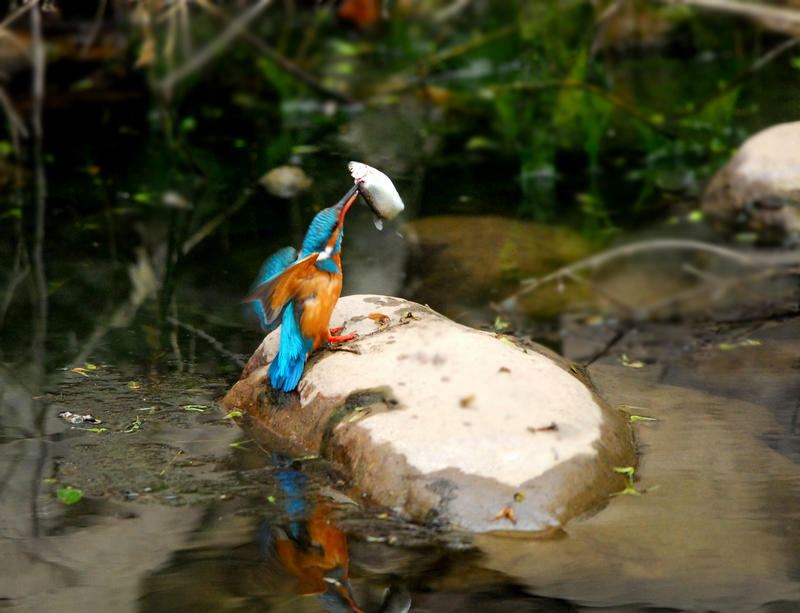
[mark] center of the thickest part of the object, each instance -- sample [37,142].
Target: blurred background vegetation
[137,130]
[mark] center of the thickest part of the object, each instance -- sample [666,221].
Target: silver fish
[378,191]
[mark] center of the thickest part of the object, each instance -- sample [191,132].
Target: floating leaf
[641,418]
[745,343]
[519,496]
[628,491]
[134,385]
[79,370]
[232,414]
[271,499]
[198,408]
[240,444]
[95,430]
[69,495]
[135,425]
[626,361]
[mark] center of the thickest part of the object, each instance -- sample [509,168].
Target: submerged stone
[464,262]
[444,423]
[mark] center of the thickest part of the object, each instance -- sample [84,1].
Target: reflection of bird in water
[300,290]
[310,547]
[314,551]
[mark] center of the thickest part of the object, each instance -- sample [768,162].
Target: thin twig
[235,27]
[38,59]
[96,24]
[18,13]
[17,123]
[738,79]
[212,224]
[282,62]
[617,101]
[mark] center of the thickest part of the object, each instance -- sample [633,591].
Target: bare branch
[235,27]
[779,19]
[18,13]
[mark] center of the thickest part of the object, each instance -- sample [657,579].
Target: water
[116,303]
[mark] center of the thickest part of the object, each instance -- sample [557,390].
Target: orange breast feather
[318,296]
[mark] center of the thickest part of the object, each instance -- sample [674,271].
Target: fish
[378,192]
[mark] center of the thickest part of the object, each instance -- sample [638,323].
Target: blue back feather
[287,367]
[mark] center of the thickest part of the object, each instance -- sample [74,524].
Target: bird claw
[340,339]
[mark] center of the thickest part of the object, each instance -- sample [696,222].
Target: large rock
[759,188]
[445,423]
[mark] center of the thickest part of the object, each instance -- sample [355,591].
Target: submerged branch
[209,339]
[753,260]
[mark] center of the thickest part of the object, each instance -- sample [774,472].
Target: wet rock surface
[759,188]
[444,423]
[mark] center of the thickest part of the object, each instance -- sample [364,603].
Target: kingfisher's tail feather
[287,367]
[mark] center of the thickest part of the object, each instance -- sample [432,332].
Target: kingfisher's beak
[346,202]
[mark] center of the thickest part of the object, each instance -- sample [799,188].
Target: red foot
[338,339]
[335,330]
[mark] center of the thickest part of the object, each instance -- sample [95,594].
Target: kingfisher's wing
[273,295]
[274,264]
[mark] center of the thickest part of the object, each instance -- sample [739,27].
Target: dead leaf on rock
[553,427]
[381,319]
[506,513]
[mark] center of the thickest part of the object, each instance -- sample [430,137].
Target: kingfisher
[299,291]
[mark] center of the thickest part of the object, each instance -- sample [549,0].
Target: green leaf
[69,495]
[232,414]
[189,124]
[198,408]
